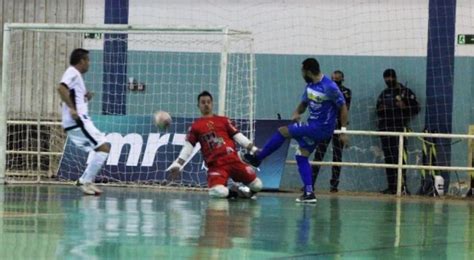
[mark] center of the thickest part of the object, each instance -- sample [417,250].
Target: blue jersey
[324,100]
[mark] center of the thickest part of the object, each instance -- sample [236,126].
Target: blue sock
[271,146]
[305,172]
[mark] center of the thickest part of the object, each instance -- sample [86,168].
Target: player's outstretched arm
[177,166]
[243,141]
[65,97]
[344,116]
[300,109]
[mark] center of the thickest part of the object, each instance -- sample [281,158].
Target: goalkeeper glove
[175,166]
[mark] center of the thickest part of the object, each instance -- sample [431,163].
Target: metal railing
[399,166]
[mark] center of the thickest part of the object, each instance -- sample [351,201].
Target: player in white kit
[76,121]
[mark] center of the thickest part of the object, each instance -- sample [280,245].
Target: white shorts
[87,137]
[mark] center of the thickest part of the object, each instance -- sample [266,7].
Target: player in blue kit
[325,102]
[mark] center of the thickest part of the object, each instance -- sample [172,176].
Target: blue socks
[305,172]
[271,146]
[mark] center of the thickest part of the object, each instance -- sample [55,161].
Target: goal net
[362,39]
[134,71]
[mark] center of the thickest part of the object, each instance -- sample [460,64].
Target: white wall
[338,27]
[94,11]
[37,61]
[94,14]
[465,25]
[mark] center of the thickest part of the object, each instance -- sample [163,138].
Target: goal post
[144,69]
[3,106]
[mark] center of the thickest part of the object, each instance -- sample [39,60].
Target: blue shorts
[309,136]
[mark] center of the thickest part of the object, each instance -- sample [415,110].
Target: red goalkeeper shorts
[238,171]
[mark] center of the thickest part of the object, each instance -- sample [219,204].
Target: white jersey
[72,78]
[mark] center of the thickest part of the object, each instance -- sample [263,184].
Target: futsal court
[58,222]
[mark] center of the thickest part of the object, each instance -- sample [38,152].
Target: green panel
[363,76]
[462,113]
[279,87]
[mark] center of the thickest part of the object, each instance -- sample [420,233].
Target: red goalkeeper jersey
[215,136]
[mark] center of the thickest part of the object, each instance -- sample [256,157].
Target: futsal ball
[162,119]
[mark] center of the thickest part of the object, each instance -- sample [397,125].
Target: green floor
[57,222]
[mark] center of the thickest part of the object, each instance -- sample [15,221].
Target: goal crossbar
[120,28]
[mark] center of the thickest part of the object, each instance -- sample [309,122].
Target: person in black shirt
[396,106]
[337,146]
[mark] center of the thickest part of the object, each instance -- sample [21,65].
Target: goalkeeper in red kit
[217,137]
